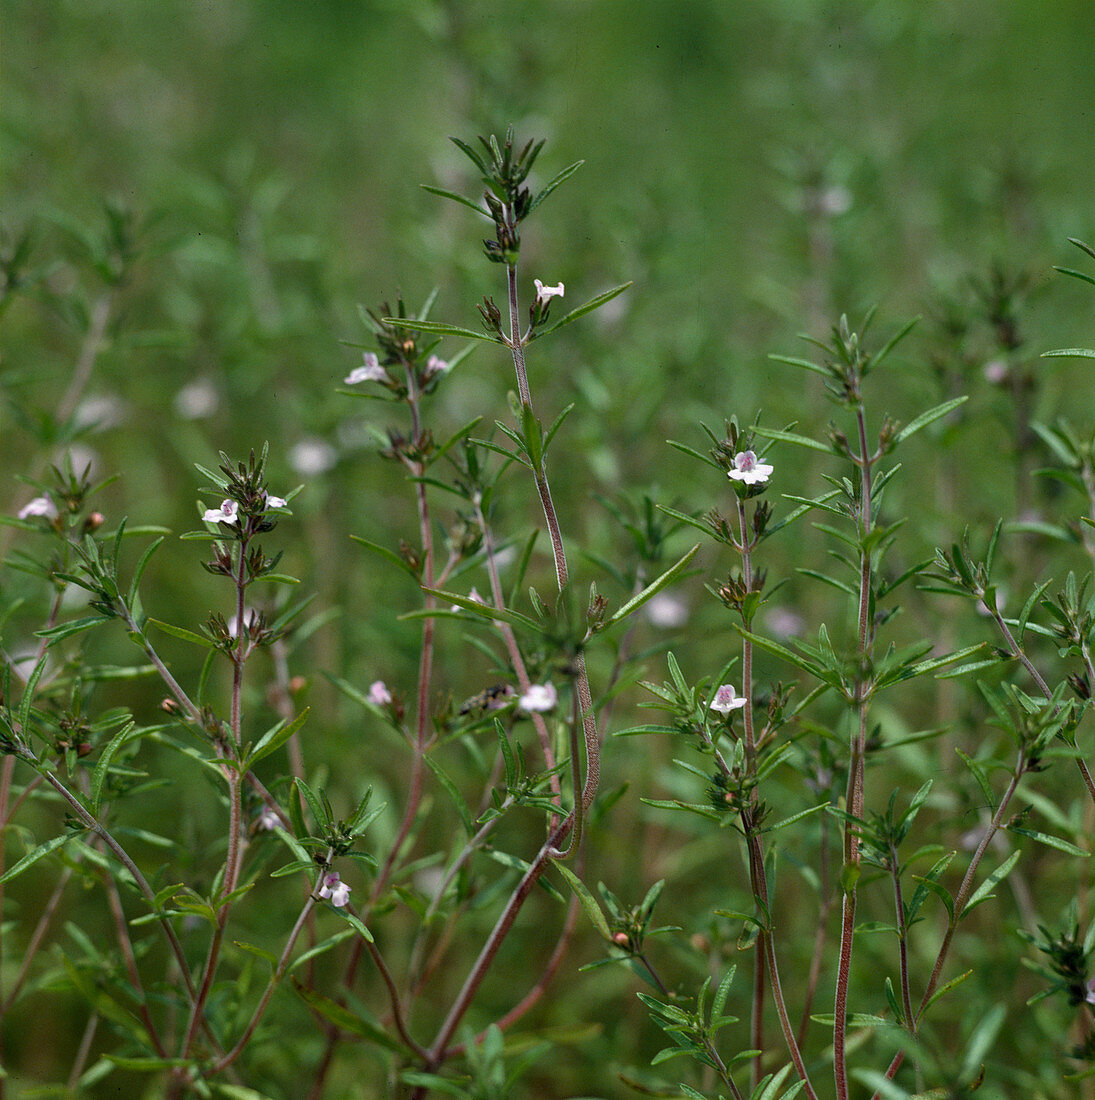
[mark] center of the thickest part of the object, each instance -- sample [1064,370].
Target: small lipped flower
[748,470]
[379,695]
[334,889]
[39,506]
[544,294]
[370,371]
[1090,998]
[435,365]
[539,697]
[268,819]
[272,501]
[726,699]
[228,513]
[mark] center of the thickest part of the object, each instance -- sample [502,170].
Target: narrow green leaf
[587,901]
[142,564]
[792,437]
[319,815]
[929,417]
[581,311]
[355,923]
[440,328]
[1049,841]
[984,891]
[343,1018]
[532,433]
[550,186]
[979,774]
[805,364]
[453,793]
[795,817]
[1069,353]
[455,198]
[184,634]
[654,587]
[321,948]
[507,755]
[693,453]
[261,952]
[893,341]
[33,856]
[98,777]
[61,631]
[485,611]
[274,738]
[944,990]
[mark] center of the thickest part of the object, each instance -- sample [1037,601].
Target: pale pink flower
[39,506]
[370,371]
[228,512]
[539,697]
[748,469]
[544,294]
[995,371]
[727,699]
[273,502]
[379,695]
[268,819]
[335,889]
[436,365]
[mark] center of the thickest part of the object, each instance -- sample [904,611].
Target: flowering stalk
[512,648]
[516,343]
[746,471]
[857,757]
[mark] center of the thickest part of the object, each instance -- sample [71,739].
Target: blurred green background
[756,168]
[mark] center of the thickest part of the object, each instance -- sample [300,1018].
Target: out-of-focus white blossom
[39,506]
[197,400]
[539,697]
[311,457]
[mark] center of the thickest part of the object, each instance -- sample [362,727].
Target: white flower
[197,400]
[311,457]
[250,616]
[436,365]
[545,293]
[334,888]
[272,501]
[834,201]
[666,610]
[372,371]
[379,694]
[748,469]
[39,506]
[99,413]
[228,512]
[726,699]
[539,697]
[268,819]
[1090,998]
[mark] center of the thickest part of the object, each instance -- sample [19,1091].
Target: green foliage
[872,677]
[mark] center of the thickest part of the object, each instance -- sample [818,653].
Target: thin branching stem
[856,765]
